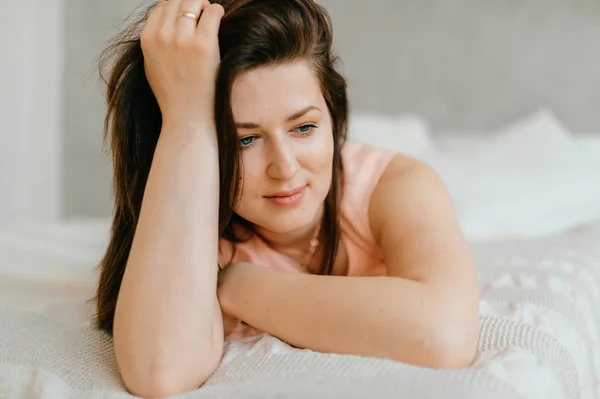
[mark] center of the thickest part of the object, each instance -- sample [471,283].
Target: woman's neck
[294,244]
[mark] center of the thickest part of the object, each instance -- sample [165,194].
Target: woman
[227,125]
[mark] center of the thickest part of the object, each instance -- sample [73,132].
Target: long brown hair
[252,34]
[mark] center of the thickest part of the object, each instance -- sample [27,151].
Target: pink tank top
[363,167]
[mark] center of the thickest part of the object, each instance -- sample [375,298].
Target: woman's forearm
[383,317]
[167,326]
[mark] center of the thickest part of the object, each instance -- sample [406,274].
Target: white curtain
[31,85]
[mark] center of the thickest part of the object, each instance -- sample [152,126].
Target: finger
[156,16]
[185,25]
[210,20]
[171,11]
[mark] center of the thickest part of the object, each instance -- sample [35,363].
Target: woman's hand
[230,322]
[181,58]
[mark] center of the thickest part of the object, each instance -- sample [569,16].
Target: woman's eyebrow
[299,114]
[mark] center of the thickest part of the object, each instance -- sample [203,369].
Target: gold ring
[188,14]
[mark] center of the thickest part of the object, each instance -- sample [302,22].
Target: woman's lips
[288,198]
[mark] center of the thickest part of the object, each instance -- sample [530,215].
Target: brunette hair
[252,34]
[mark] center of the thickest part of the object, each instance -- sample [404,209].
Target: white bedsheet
[540,329]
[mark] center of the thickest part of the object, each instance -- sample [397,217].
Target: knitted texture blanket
[540,330]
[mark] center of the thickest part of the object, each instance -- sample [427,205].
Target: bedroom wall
[471,64]
[464,64]
[31,88]
[89,24]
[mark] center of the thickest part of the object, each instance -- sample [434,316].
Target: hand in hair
[181,58]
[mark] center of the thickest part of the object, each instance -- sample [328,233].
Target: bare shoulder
[406,186]
[413,220]
[405,168]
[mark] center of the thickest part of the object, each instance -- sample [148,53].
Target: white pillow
[589,143]
[407,133]
[527,180]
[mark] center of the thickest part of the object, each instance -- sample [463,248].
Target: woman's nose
[282,163]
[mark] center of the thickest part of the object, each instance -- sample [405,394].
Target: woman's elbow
[161,382]
[452,357]
[455,347]
[440,346]
[162,385]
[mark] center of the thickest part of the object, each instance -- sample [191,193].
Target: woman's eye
[305,129]
[246,141]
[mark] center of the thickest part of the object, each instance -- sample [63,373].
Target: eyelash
[308,133]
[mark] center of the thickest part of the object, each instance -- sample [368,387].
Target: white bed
[540,329]
[540,291]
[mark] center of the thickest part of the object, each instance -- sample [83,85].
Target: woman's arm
[382,317]
[412,218]
[425,312]
[168,329]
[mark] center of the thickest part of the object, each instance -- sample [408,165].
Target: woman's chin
[285,220]
[280,227]
[290,223]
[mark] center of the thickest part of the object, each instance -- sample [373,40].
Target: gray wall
[87,174]
[461,64]
[472,63]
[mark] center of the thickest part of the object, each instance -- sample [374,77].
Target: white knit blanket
[540,330]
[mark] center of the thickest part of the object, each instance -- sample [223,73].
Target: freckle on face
[267,97]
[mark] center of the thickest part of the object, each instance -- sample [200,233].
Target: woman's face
[286,140]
